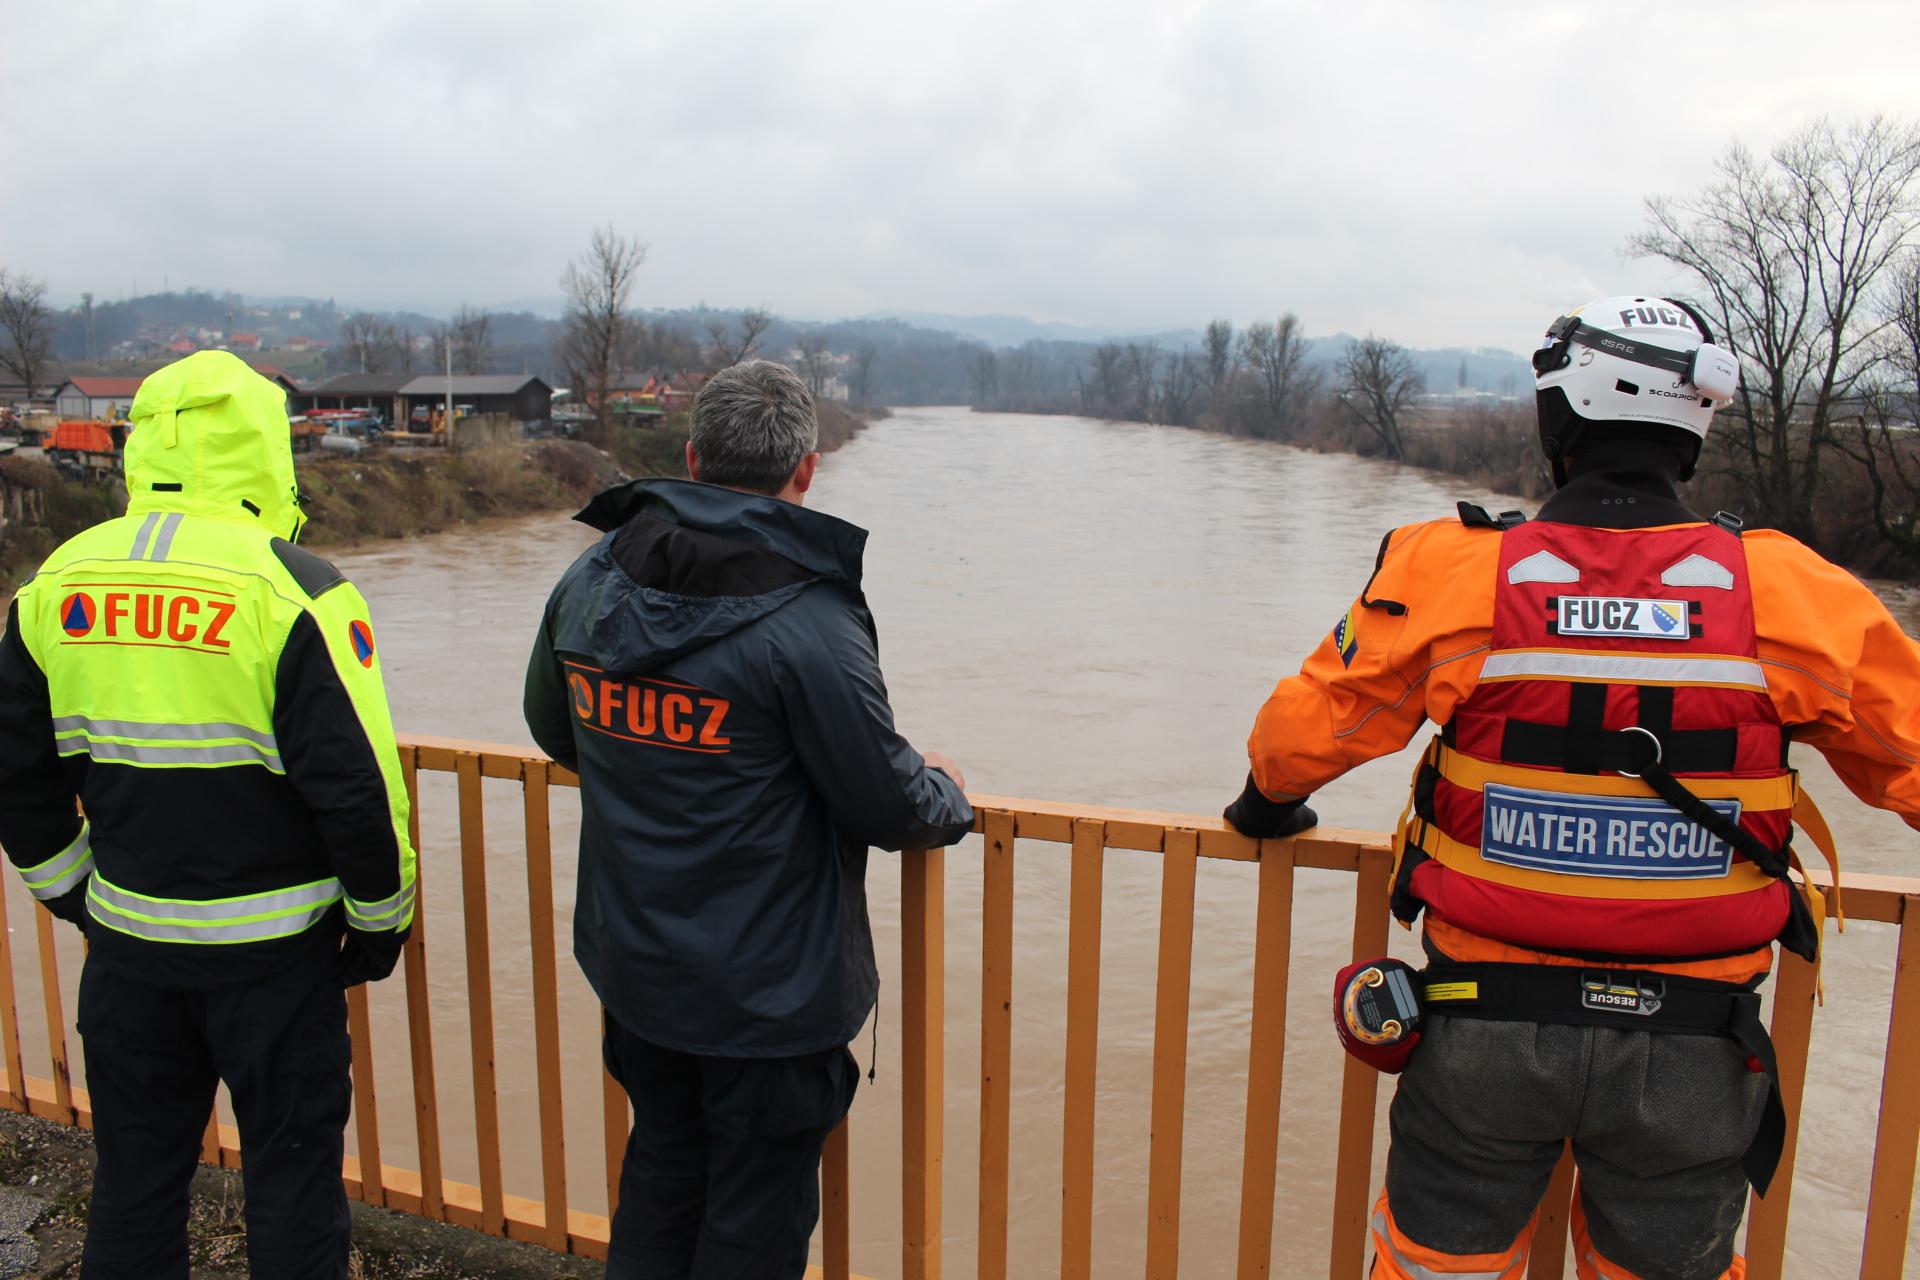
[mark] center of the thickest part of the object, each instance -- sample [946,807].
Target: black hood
[685,564]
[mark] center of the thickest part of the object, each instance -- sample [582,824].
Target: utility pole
[452,439]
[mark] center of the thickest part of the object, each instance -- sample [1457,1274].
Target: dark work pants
[721,1179]
[1658,1122]
[154,1057]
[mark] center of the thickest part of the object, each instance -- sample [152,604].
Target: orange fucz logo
[659,713]
[140,614]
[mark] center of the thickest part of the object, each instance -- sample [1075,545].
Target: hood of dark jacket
[686,564]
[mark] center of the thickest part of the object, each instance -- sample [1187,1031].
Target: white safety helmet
[1630,359]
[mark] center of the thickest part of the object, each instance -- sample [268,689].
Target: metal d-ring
[1658,751]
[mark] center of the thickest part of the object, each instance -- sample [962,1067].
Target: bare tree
[472,335]
[986,377]
[737,338]
[817,361]
[1787,251]
[1219,349]
[1183,379]
[596,331]
[1378,384]
[1137,370]
[861,372]
[26,327]
[1882,433]
[376,345]
[1276,354]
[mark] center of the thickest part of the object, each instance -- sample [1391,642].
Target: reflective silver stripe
[1623,668]
[207,730]
[250,918]
[151,753]
[64,870]
[144,536]
[164,541]
[388,913]
[1415,1271]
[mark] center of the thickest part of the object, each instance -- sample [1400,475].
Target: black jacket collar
[821,543]
[1618,495]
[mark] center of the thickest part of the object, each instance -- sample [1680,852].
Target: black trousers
[721,1179]
[154,1056]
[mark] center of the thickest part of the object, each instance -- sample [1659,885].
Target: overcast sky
[1439,172]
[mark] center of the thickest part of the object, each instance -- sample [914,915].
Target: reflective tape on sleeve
[388,913]
[251,917]
[1623,668]
[64,870]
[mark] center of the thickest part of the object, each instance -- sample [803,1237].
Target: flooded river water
[1076,611]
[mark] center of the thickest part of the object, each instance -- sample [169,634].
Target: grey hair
[752,424]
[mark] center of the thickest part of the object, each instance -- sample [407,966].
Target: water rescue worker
[211,695]
[1598,835]
[710,669]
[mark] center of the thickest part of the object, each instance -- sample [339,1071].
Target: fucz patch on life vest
[1345,639]
[1622,616]
[1615,836]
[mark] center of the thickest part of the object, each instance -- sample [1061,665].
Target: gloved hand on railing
[1255,815]
[369,957]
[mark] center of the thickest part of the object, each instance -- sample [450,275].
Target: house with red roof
[94,397]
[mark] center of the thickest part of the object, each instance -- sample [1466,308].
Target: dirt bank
[46,1183]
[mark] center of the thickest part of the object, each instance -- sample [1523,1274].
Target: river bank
[46,1185]
[387,494]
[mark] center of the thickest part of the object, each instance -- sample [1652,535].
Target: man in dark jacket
[709,668]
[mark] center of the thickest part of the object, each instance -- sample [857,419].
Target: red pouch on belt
[1376,1012]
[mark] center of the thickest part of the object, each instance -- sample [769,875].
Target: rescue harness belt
[1627,999]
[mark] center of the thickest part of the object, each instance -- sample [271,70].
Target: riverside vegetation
[391,494]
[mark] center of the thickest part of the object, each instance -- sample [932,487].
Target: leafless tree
[1219,348]
[1882,430]
[1379,382]
[472,336]
[736,338]
[1276,355]
[1136,403]
[1183,380]
[596,330]
[861,372]
[1788,250]
[817,362]
[986,377]
[661,348]
[26,327]
[376,345]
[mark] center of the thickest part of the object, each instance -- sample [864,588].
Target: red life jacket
[1525,826]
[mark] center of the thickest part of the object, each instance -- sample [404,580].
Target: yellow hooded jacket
[211,694]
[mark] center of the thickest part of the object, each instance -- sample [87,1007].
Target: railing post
[426,1098]
[1083,1045]
[473,891]
[923,977]
[836,1251]
[366,1104]
[1890,1199]
[996,1041]
[1266,1057]
[1353,1169]
[546,1000]
[1172,994]
[56,1018]
[1792,1030]
[9,1012]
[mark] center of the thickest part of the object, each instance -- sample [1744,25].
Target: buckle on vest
[1658,750]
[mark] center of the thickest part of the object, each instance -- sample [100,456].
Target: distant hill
[1011,331]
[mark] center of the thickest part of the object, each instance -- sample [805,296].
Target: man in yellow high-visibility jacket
[211,695]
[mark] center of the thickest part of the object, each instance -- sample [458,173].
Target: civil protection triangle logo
[77,614]
[362,637]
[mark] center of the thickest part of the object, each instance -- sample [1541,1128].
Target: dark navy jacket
[709,668]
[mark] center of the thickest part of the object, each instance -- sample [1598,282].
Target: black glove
[71,906]
[369,957]
[1255,815]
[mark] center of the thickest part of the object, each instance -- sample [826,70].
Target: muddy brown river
[1076,611]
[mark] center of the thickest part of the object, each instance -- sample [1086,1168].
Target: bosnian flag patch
[1345,639]
[1623,616]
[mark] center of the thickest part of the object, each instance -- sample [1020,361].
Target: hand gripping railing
[1182,843]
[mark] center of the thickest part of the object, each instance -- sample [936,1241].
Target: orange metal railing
[1183,843]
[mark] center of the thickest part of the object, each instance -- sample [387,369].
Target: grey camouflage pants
[1658,1123]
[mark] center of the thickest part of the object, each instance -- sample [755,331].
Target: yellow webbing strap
[1807,816]
[1400,838]
[1754,794]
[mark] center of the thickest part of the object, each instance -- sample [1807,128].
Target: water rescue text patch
[1622,616]
[1619,836]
